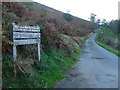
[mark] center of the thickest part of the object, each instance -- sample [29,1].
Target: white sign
[23,35]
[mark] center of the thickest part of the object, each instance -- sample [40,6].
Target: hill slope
[74,25]
[62,36]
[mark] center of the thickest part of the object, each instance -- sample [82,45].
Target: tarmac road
[95,68]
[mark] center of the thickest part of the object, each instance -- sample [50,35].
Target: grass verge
[107,47]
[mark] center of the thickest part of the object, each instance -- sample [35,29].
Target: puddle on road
[97,58]
[85,52]
[110,75]
[74,74]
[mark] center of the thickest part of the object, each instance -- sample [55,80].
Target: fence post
[14,46]
[38,51]
[14,52]
[39,47]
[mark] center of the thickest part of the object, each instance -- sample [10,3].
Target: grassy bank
[34,74]
[40,74]
[107,47]
[61,40]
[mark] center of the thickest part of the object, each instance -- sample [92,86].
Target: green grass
[107,47]
[41,74]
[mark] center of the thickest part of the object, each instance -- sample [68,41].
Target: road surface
[95,68]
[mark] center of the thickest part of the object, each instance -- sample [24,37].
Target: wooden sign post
[23,35]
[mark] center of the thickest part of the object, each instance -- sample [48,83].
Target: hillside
[82,27]
[62,36]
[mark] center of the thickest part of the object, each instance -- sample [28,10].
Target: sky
[104,9]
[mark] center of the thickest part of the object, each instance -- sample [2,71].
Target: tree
[92,17]
[104,22]
[113,25]
[98,22]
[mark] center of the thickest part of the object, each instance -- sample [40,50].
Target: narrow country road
[95,68]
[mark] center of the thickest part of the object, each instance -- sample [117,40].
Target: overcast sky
[104,9]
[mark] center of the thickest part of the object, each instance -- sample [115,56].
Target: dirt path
[96,68]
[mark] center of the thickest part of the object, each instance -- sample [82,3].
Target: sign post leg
[38,51]
[14,52]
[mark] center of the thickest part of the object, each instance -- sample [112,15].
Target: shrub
[27,19]
[67,17]
[43,12]
[29,5]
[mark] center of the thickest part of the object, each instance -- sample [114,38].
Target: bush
[29,5]
[43,12]
[106,36]
[67,17]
